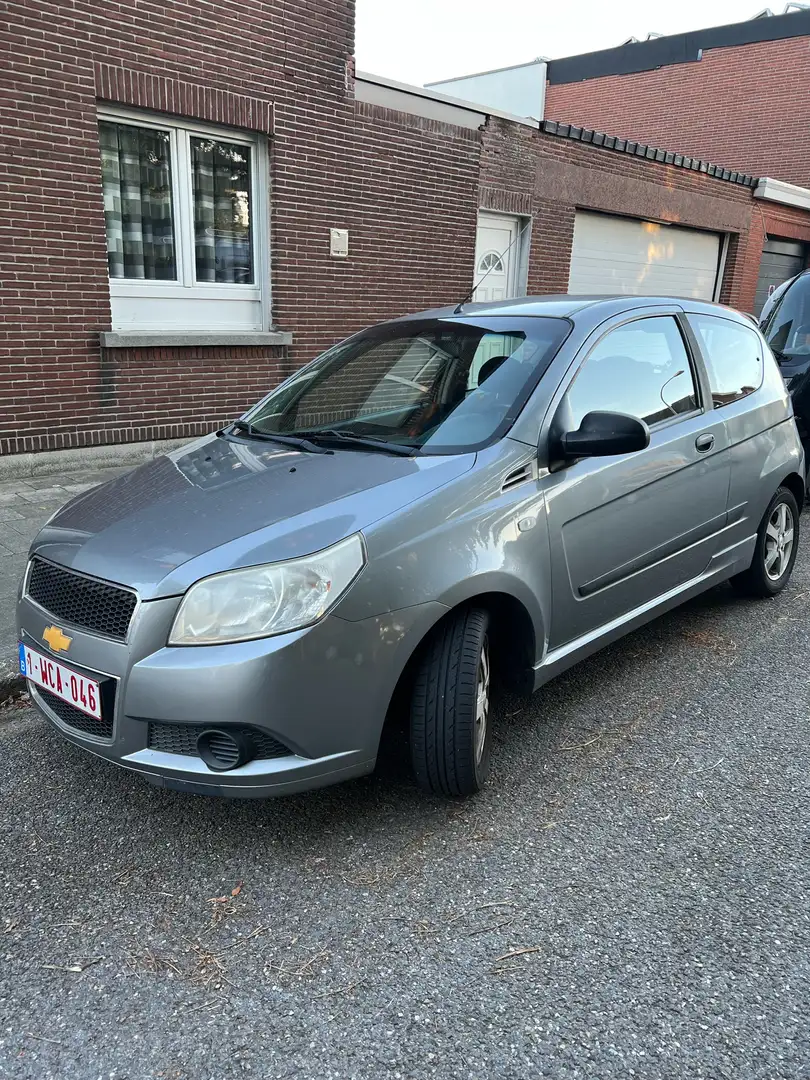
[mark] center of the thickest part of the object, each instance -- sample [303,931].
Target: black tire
[757,580]
[448,757]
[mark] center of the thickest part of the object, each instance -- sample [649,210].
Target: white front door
[496,254]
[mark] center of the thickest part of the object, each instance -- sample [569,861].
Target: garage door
[781,259]
[623,255]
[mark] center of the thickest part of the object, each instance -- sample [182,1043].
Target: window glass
[221,189]
[182,205]
[787,327]
[436,384]
[733,357]
[641,369]
[492,351]
[136,181]
[491,262]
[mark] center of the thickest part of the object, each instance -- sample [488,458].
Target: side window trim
[700,368]
[697,369]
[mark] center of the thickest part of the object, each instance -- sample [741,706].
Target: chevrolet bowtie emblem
[57,640]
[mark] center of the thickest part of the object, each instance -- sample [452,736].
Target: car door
[624,530]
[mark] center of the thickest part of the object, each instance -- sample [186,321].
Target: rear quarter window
[733,356]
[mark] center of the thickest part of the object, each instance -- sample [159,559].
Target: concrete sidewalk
[25,505]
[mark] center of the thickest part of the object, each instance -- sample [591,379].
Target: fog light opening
[223,750]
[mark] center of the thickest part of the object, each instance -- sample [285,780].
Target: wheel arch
[797,487]
[513,641]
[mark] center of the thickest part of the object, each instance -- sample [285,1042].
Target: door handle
[704,442]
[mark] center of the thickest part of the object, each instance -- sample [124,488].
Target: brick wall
[555,176]
[406,192]
[742,267]
[742,107]
[406,189]
[218,61]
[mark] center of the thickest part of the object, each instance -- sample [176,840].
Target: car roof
[566,305]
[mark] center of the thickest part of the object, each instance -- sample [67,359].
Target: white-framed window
[186,213]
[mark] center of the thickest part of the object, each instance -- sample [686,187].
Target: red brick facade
[408,190]
[741,106]
[280,66]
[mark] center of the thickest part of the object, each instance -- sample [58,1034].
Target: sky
[417,41]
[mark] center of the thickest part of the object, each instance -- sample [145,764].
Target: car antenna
[460,306]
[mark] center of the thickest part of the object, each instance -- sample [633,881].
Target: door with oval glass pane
[495,258]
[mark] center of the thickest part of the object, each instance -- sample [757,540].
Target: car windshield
[787,327]
[434,386]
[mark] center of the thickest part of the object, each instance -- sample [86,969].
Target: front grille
[81,601]
[182,739]
[76,719]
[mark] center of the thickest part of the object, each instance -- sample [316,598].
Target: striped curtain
[221,188]
[136,180]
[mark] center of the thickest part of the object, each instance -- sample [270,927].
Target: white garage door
[622,255]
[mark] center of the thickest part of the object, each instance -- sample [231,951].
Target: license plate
[75,689]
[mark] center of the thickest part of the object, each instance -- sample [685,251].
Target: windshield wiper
[363,442]
[285,440]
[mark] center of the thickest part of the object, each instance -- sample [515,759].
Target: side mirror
[602,434]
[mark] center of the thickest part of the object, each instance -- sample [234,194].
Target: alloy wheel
[778,541]
[482,702]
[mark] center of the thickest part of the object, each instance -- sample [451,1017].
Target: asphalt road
[629,898]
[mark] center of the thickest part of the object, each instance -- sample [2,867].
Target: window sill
[123,340]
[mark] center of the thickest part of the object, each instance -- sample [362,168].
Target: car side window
[641,368]
[733,357]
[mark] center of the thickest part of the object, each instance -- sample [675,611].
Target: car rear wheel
[775,553]
[450,707]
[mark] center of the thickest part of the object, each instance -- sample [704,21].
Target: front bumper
[322,692]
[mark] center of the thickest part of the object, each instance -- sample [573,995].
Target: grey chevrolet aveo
[489,491]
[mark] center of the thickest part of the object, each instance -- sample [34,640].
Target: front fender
[500,583]
[466,540]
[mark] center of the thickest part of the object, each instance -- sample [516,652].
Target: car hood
[223,503]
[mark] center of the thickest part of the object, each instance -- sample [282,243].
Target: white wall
[411,99]
[517,90]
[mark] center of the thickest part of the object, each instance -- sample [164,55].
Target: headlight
[240,605]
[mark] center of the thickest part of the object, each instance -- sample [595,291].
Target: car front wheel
[775,553]
[450,707]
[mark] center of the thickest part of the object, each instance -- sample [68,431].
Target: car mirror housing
[603,434]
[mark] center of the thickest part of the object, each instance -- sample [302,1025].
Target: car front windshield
[435,386]
[787,327]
